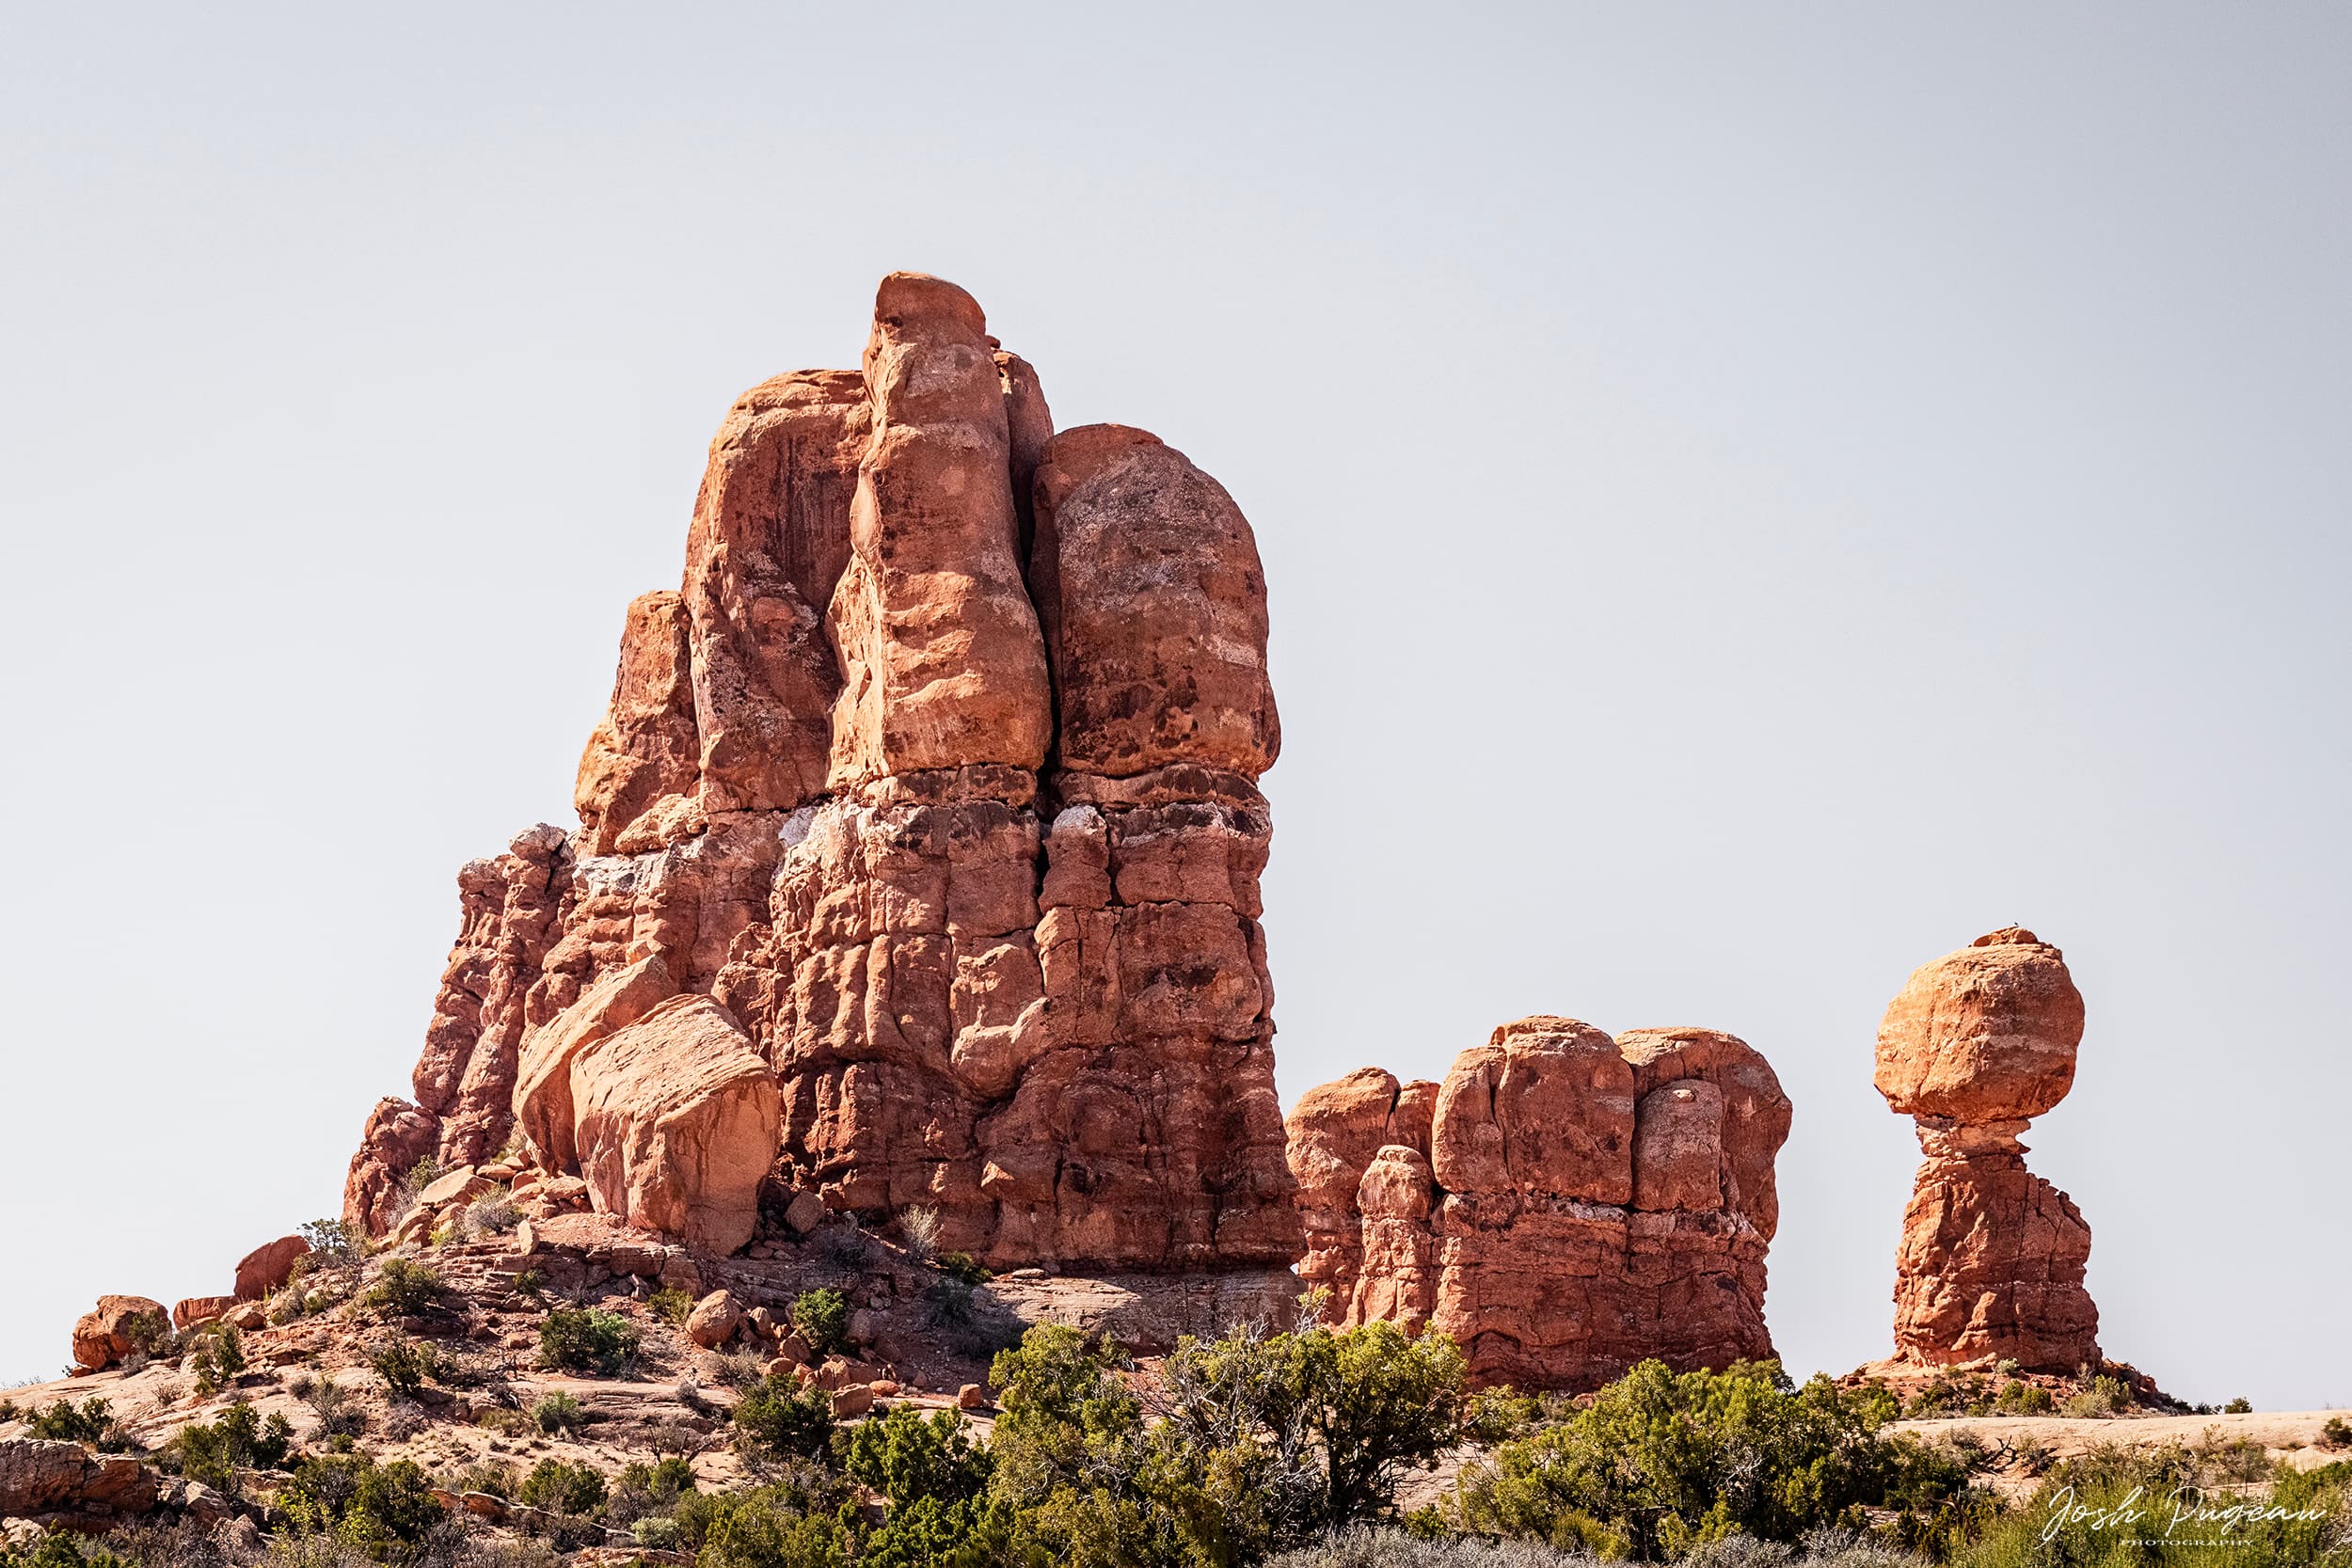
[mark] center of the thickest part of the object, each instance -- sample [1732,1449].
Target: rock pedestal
[1564,1204]
[1992,1260]
[935,783]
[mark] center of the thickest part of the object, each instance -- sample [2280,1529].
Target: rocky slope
[920,852]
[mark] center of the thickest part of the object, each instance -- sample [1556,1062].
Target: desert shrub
[386,1510]
[821,1316]
[842,1242]
[588,1339]
[1260,1442]
[562,1488]
[671,1307]
[904,1456]
[339,1416]
[782,1418]
[803,1521]
[149,1334]
[1363,1546]
[59,1549]
[213,1452]
[218,1358]
[2102,1396]
[489,1475]
[2335,1434]
[919,1228]
[950,1303]
[416,1177]
[2238,1406]
[559,1411]
[494,1214]
[332,1244]
[402,1289]
[405,1365]
[90,1423]
[1661,1463]
[530,1284]
[739,1368]
[644,1491]
[963,1266]
[2023,1399]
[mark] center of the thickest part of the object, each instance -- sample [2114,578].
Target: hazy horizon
[1750,499]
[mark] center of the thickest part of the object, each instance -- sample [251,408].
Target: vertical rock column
[1992,1260]
[907,993]
[1151,1129]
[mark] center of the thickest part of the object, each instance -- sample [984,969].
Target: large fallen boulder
[116,1327]
[677,1121]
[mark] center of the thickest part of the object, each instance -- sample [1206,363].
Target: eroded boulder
[677,1122]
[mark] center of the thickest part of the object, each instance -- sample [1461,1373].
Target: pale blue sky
[1753,498]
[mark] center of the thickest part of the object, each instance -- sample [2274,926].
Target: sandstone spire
[864,903]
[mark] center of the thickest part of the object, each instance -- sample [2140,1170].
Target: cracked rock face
[1992,1257]
[1564,1204]
[934,787]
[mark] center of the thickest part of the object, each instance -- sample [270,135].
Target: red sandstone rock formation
[1992,1260]
[105,1334]
[934,785]
[265,1270]
[1564,1204]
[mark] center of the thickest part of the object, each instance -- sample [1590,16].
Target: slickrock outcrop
[931,794]
[1992,1260]
[1564,1205]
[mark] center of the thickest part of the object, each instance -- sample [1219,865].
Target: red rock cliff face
[1564,1204]
[1992,1260]
[937,779]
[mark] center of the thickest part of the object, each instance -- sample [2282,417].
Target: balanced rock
[1992,1257]
[936,778]
[1570,1204]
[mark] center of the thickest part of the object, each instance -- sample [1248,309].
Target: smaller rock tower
[1992,1260]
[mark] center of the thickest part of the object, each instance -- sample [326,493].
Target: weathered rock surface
[1992,1257]
[639,777]
[42,1479]
[677,1124]
[1153,608]
[942,664]
[1331,1137]
[994,945]
[267,1267]
[1572,1203]
[110,1331]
